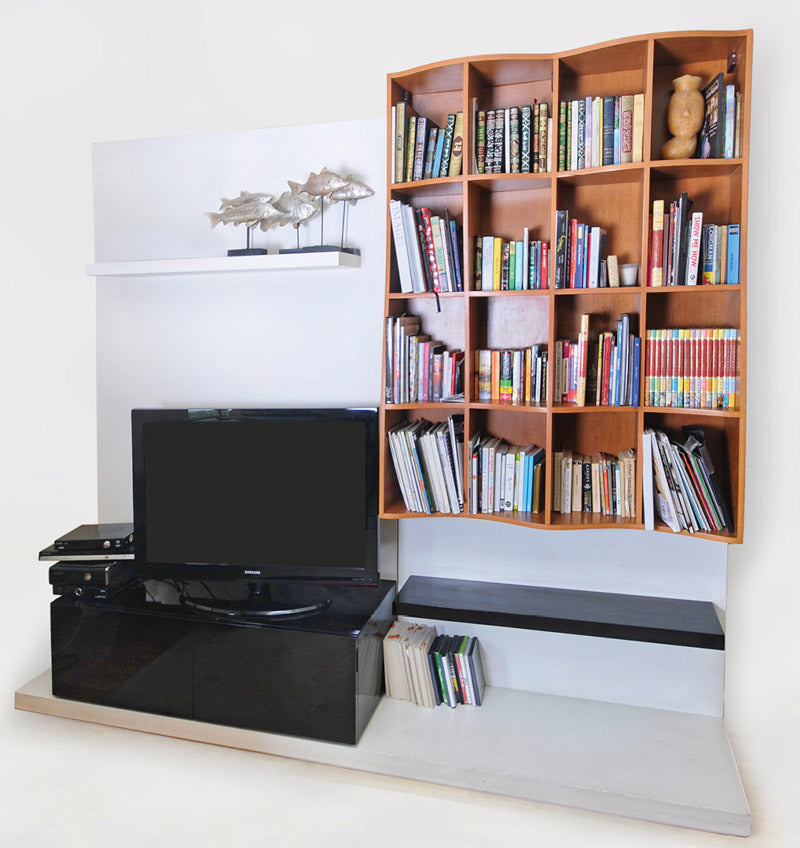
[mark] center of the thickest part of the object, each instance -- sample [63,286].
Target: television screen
[256,494]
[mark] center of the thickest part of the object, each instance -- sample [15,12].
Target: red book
[544,277]
[573,248]
[608,344]
[431,252]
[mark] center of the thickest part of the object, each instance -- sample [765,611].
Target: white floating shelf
[226,264]
[668,767]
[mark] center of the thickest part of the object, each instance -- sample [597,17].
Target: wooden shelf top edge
[669,621]
[588,48]
[225,264]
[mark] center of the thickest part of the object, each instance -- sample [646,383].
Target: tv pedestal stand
[320,676]
[260,602]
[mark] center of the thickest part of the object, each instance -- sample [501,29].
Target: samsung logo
[248,571]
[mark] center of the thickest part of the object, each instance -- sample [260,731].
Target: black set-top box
[96,538]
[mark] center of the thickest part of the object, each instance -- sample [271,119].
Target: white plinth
[668,767]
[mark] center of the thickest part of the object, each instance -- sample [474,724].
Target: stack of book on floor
[432,670]
[428,462]
[682,489]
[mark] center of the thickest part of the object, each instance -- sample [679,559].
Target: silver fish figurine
[321,184]
[252,213]
[244,198]
[353,191]
[298,207]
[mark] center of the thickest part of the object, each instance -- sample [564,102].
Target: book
[444,167]
[732,278]
[712,132]
[457,149]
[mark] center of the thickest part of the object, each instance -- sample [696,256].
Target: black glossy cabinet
[320,677]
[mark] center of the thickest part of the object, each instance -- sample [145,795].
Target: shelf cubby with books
[722,434]
[615,199]
[513,94]
[702,54]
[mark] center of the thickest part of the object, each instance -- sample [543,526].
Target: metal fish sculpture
[354,190]
[250,213]
[244,198]
[297,207]
[321,184]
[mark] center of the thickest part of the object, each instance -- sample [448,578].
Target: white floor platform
[668,767]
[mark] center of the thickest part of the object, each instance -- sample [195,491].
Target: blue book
[437,161]
[579,255]
[733,255]
[617,139]
[608,131]
[637,349]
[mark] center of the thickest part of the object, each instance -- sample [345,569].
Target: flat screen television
[255,497]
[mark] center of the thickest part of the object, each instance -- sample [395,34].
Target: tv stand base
[319,676]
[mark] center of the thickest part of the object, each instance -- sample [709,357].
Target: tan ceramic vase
[684,117]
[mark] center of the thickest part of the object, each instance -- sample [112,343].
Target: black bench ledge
[666,621]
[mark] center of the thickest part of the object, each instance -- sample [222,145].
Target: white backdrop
[83,72]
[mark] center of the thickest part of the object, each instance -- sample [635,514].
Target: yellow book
[497,268]
[638,127]
[657,244]
[457,153]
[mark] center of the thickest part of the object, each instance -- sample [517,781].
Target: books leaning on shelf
[504,478]
[694,368]
[419,369]
[580,252]
[685,251]
[513,140]
[502,265]
[428,463]
[597,131]
[686,493]
[720,134]
[511,376]
[427,249]
[422,149]
[602,484]
[432,670]
[604,372]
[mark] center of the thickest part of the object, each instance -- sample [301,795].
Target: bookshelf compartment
[517,426]
[614,203]
[604,307]
[703,55]
[613,69]
[391,503]
[716,192]
[437,199]
[676,307]
[508,321]
[503,84]
[724,440]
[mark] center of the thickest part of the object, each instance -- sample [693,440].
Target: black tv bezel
[367,574]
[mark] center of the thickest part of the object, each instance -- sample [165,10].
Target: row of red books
[694,368]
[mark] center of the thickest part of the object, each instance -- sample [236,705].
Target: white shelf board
[225,264]
[667,767]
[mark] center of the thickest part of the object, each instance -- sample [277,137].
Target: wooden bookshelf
[616,197]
